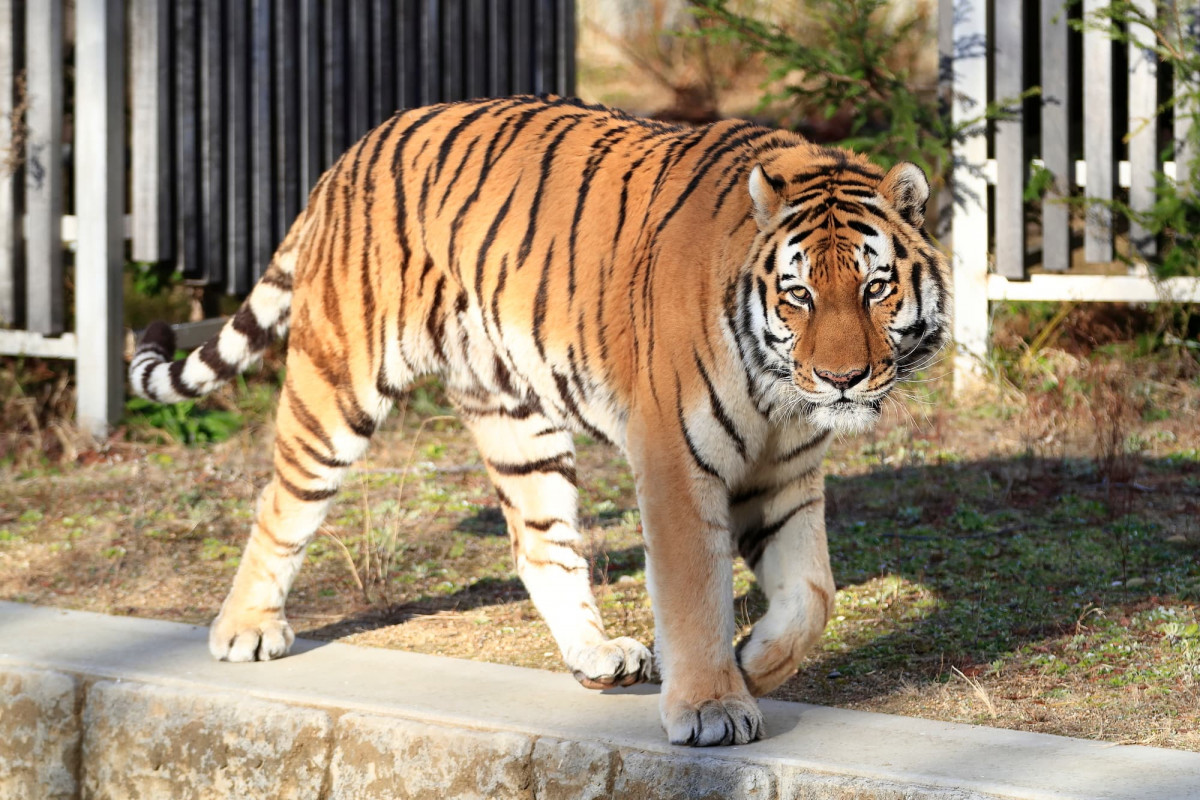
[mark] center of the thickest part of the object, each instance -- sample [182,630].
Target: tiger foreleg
[788,552]
[532,465]
[689,572]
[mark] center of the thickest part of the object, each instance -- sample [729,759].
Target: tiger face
[847,292]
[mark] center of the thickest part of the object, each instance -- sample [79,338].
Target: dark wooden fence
[239,105]
[231,110]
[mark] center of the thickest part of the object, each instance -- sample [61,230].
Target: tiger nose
[842,380]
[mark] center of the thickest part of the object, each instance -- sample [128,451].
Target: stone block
[695,777]
[39,734]
[805,785]
[393,758]
[152,741]
[564,770]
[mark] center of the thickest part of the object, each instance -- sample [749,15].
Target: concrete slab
[812,751]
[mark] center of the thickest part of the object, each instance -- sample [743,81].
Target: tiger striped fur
[715,301]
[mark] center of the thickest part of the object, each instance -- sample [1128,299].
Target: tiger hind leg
[532,465]
[319,434]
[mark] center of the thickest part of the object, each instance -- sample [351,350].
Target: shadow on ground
[952,565]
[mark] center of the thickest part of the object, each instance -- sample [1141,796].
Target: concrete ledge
[98,706]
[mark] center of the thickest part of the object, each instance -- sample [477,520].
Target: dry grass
[1026,561]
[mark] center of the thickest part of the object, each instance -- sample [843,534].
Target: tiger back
[714,301]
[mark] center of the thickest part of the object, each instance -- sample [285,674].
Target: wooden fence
[235,107]
[1093,128]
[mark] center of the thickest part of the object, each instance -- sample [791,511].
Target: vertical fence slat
[44,167]
[360,69]
[99,207]
[499,54]
[237,139]
[1008,83]
[431,55]
[262,201]
[543,45]
[12,284]
[969,229]
[1097,136]
[565,47]
[1185,111]
[310,94]
[939,226]
[212,143]
[452,54]
[476,49]
[288,201]
[520,47]
[150,137]
[408,45]
[187,137]
[336,82]
[1056,155]
[1143,149]
[383,56]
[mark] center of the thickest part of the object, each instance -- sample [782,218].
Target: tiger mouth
[846,402]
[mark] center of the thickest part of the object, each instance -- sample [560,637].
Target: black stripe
[564,391]
[560,463]
[542,562]
[488,240]
[307,495]
[687,436]
[862,227]
[541,299]
[290,458]
[801,449]
[718,409]
[754,541]
[210,355]
[452,135]
[435,323]
[355,417]
[400,178]
[706,161]
[332,462]
[546,168]
[306,418]
[746,495]
[544,525]
[177,383]
[245,323]
[505,500]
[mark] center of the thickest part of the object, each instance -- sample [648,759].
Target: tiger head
[843,294]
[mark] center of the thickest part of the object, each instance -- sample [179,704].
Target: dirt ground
[1026,562]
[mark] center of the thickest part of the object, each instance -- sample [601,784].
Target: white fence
[1073,133]
[235,107]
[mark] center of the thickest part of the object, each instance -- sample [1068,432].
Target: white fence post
[969,226]
[99,205]
[43,166]
[12,285]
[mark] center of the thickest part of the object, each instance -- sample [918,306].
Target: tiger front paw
[731,719]
[245,637]
[618,662]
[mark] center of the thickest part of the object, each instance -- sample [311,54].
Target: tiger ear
[767,193]
[907,189]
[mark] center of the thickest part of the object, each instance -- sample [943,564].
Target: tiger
[717,302]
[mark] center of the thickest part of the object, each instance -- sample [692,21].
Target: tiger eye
[876,288]
[800,294]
